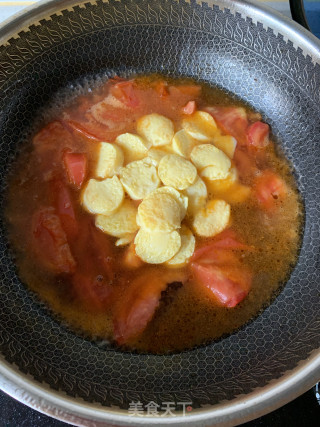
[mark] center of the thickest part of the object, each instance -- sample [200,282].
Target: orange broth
[99,288]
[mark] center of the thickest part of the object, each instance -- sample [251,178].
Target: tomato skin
[189,108]
[79,128]
[268,188]
[76,167]
[50,242]
[226,291]
[258,134]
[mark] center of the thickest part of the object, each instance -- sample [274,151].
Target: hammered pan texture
[215,46]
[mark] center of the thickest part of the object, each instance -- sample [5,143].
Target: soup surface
[153,213]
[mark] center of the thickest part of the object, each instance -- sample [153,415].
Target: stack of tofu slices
[153,187]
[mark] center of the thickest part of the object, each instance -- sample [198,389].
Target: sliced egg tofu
[210,161]
[110,160]
[226,143]
[156,247]
[182,143]
[186,250]
[139,178]
[197,195]
[121,222]
[133,146]
[219,186]
[156,129]
[103,197]
[212,219]
[200,126]
[176,172]
[155,155]
[159,212]
[125,240]
[180,198]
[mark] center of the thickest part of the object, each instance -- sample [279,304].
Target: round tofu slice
[182,143]
[186,250]
[121,222]
[139,179]
[226,143]
[176,172]
[155,155]
[133,146]
[103,197]
[160,212]
[156,248]
[211,161]
[197,195]
[156,129]
[213,219]
[180,198]
[200,126]
[110,160]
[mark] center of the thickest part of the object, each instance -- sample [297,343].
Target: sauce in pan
[154,213]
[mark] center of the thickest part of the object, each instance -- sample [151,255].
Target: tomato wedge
[126,93]
[50,242]
[218,249]
[92,290]
[64,208]
[189,108]
[138,302]
[258,134]
[268,188]
[232,120]
[95,272]
[227,286]
[76,167]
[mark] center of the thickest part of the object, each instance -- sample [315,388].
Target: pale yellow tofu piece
[133,146]
[156,248]
[120,223]
[180,198]
[182,143]
[155,155]
[103,197]
[159,212]
[200,126]
[125,240]
[186,250]
[197,196]
[139,179]
[210,161]
[156,129]
[226,143]
[176,172]
[212,219]
[110,160]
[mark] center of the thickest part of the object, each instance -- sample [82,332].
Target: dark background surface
[301,412]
